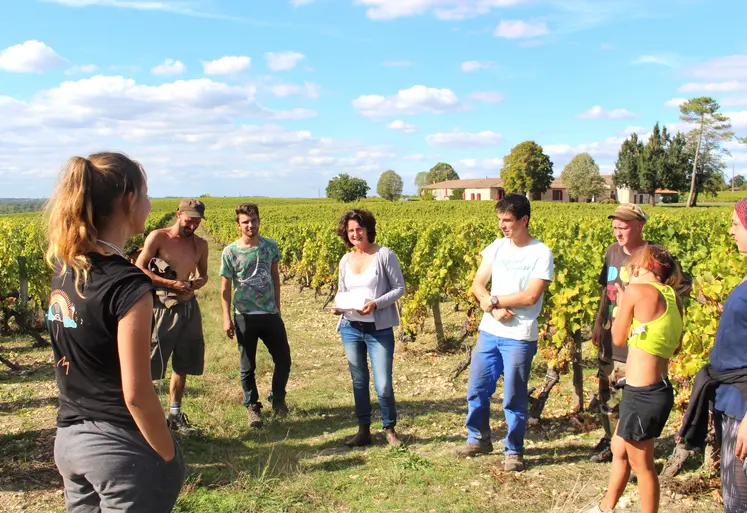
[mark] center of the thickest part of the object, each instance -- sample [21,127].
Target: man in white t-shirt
[519,268]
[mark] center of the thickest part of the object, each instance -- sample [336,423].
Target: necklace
[115,248]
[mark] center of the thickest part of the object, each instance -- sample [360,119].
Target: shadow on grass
[35,372]
[27,461]
[20,404]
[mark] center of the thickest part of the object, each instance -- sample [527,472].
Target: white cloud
[732,67]
[396,64]
[738,119]
[298,3]
[415,100]
[487,96]
[598,112]
[186,133]
[401,125]
[734,101]
[468,66]
[229,65]
[169,67]
[282,61]
[675,102]
[307,89]
[478,168]
[441,9]
[712,87]
[606,149]
[459,139]
[85,68]
[30,57]
[662,60]
[515,29]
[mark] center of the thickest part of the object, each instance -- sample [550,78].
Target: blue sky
[274,98]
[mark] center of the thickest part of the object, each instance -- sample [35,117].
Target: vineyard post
[578,372]
[23,286]
[440,337]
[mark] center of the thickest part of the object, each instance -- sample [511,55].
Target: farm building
[492,189]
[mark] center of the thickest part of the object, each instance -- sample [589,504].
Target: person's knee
[618,448]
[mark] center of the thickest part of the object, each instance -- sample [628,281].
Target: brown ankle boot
[392,438]
[362,437]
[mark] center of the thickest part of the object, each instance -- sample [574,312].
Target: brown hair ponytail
[84,200]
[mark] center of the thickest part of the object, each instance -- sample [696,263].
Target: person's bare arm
[604,304]
[202,267]
[133,343]
[276,283]
[480,283]
[625,305]
[150,250]
[527,297]
[225,302]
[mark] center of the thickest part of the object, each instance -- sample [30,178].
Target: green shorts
[178,332]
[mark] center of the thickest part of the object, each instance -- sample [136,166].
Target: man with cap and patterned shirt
[628,221]
[176,261]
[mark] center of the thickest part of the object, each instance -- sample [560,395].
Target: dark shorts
[644,411]
[177,331]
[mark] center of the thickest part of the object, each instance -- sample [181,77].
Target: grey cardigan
[390,286]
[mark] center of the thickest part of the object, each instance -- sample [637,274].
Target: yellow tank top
[661,336]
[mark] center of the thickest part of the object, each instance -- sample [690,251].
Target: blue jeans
[359,338]
[491,357]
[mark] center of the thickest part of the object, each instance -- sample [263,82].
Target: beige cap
[629,212]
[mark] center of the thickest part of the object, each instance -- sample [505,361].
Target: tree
[628,162]
[652,166]
[526,169]
[456,194]
[346,188]
[389,186]
[421,179]
[581,177]
[738,181]
[442,172]
[677,163]
[712,128]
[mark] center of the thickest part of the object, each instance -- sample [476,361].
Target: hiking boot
[392,438]
[602,452]
[513,463]
[255,421]
[179,423]
[469,450]
[279,408]
[676,461]
[362,437]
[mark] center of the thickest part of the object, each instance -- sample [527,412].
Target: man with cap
[627,226]
[628,221]
[176,261]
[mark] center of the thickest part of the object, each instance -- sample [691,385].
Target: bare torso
[183,254]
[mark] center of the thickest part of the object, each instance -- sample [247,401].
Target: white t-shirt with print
[512,268]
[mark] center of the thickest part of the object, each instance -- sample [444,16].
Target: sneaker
[602,452]
[513,463]
[179,423]
[597,509]
[469,450]
[255,421]
[676,461]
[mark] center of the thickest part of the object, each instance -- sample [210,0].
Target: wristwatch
[494,301]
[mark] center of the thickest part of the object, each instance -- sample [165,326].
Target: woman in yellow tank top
[649,320]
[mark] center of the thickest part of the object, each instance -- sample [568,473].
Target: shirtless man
[178,323]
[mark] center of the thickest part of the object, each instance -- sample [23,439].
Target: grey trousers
[108,468]
[733,470]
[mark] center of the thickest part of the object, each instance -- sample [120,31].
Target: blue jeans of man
[491,357]
[359,338]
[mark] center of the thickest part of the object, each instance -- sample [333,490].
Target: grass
[300,464]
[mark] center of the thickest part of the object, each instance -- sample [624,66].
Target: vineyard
[438,245]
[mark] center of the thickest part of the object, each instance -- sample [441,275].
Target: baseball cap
[192,207]
[628,212]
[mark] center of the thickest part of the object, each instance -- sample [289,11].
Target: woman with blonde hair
[113,447]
